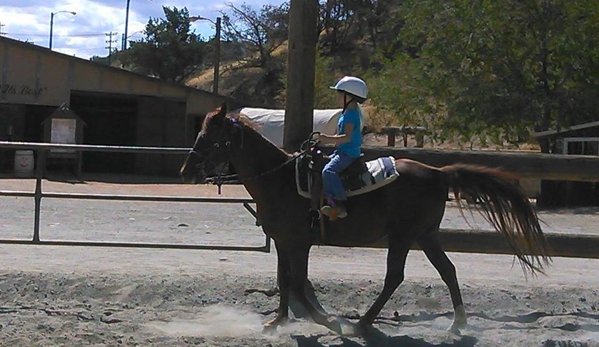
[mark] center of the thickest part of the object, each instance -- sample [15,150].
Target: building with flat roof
[117,107]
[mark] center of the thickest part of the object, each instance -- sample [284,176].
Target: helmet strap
[346,102]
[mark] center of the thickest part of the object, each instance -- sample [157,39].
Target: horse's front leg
[284,279]
[299,276]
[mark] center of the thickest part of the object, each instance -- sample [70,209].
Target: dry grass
[376,119]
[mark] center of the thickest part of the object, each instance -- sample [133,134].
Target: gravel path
[68,296]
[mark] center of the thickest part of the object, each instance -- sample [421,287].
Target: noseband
[207,154]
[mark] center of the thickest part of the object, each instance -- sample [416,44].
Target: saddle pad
[381,172]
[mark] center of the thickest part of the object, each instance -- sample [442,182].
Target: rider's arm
[337,139]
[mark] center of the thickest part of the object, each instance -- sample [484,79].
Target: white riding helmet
[352,85]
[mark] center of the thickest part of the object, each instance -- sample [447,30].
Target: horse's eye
[216,145]
[228,143]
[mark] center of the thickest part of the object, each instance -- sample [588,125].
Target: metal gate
[42,150]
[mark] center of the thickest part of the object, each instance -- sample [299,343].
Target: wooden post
[299,110]
[419,139]
[391,132]
[391,139]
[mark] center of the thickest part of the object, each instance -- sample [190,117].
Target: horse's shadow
[376,338]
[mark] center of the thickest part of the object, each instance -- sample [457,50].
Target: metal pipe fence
[469,241]
[42,150]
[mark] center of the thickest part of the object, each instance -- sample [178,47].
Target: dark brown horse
[408,210]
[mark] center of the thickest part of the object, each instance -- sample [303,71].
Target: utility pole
[301,61]
[109,42]
[217,25]
[124,43]
[2,33]
[216,55]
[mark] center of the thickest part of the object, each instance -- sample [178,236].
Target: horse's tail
[503,203]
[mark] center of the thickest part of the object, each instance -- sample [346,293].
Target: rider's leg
[332,186]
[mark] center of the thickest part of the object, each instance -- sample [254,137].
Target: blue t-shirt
[351,148]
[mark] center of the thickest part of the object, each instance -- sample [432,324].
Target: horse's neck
[257,156]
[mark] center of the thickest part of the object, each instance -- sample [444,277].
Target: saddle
[358,178]
[350,176]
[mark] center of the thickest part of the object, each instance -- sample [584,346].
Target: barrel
[24,163]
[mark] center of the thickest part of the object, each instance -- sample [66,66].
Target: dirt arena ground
[77,296]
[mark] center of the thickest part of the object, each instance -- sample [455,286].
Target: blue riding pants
[332,186]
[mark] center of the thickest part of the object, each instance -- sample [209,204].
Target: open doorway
[110,119]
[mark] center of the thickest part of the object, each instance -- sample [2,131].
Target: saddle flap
[303,172]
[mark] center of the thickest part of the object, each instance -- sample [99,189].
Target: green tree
[169,51]
[500,68]
[339,25]
[324,97]
[99,60]
[259,33]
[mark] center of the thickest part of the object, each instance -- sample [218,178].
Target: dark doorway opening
[34,117]
[110,119]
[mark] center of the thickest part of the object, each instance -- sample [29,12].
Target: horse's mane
[245,120]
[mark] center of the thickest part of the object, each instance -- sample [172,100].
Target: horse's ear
[219,113]
[222,111]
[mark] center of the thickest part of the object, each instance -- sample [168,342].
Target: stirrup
[341,211]
[334,212]
[326,210]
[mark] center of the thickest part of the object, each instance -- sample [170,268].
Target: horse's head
[212,149]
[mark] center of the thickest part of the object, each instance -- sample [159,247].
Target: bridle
[225,141]
[207,154]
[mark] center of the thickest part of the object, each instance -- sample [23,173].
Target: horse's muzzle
[193,175]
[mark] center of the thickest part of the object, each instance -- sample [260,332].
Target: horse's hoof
[455,328]
[362,330]
[357,330]
[335,325]
[272,325]
[460,320]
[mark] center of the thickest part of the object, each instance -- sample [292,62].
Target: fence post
[41,165]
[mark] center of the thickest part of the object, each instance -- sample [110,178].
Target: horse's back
[420,185]
[413,168]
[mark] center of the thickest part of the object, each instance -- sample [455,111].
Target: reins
[236,178]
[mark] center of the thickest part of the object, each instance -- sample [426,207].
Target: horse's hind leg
[396,261]
[436,255]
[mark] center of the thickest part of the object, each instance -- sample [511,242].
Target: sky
[85,33]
